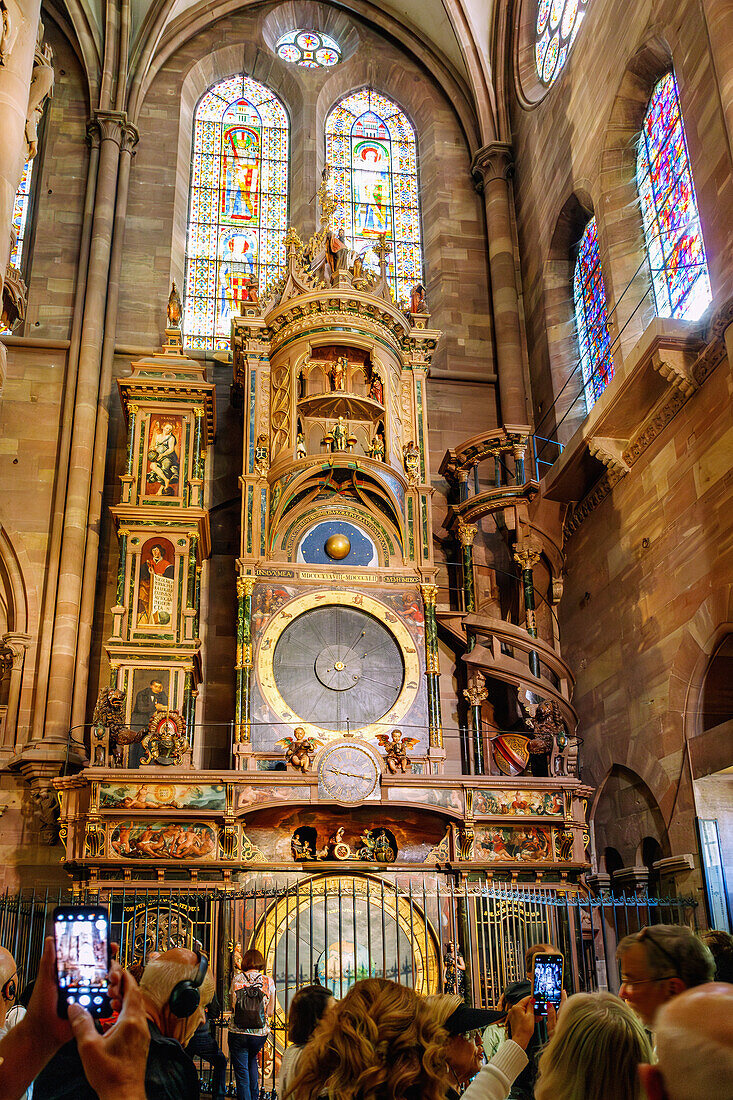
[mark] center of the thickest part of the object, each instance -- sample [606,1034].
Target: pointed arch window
[679,270]
[591,318]
[238,205]
[21,207]
[372,150]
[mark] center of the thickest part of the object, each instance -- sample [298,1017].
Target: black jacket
[169,1074]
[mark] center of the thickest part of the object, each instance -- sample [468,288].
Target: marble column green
[243,730]
[526,559]
[193,539]
[432,666]
[122,541]
[466,533]
[131,422]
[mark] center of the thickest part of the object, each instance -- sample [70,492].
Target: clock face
[347,772]
[338,667]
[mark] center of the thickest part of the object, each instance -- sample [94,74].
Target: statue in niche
[262,456]
[338,374]
[411,459]
[418,304]
[547,726]
[376,447]
[175,310]
[299,749]
[338,438]
[301,450]
[249,289]
[41,88]
[376,389]
[301,849]
[337,252]
[396,748]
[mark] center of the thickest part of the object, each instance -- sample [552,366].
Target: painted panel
[169,796]
[163,840]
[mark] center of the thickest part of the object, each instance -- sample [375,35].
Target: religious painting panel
[529,844]
[162,470]
[156,592]
[162,796]
[519,803]
[163,840]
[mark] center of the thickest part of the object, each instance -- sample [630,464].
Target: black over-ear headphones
[10,989]
[186,997]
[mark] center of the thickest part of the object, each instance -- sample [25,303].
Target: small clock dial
[348,772]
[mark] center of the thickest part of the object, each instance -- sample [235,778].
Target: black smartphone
[81,935]
[547,982]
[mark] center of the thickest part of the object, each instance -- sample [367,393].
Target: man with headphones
[176,987]
[8,986]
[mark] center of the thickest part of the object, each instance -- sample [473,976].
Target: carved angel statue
[411,459]
[299,749]
[396,748]
[175,310]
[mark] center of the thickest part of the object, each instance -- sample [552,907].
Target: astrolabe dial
[338,667]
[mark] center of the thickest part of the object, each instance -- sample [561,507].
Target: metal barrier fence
[337,928]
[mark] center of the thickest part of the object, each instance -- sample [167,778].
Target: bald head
[695,1043]
[7,966]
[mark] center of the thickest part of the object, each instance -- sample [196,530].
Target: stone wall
[628,605]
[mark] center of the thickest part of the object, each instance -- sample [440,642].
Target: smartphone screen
[81,934]
[547,983]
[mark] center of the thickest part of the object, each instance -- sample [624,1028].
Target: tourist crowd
[668,1035]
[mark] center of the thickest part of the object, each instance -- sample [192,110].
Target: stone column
[466,534]
[17,644]
[242,728]
[112,128]
[476,694]
[432,668]
[491,169]
[527,558]
[719,17]
[18,31]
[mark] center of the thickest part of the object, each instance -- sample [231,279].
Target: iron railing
[335,929]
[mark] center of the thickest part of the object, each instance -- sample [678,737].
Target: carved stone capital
[16,644]
[527,556]
[113,126]
[610,452]
[466,532]
[492,161]
[476,693]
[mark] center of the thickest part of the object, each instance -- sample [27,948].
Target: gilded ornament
[337,546]
[466,532]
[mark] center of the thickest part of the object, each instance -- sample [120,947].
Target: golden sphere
[337,546]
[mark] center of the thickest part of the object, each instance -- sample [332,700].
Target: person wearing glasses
[657,964]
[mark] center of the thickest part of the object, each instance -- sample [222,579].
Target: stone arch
[18,627]
[624,808]
[628,287]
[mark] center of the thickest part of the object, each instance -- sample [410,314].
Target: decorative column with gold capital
[432,667]
[527,557]
[466,533]
[476,694]
[242,728]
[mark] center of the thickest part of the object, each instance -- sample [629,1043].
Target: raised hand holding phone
[83,957]
[547,982]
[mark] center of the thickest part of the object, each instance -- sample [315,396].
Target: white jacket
[494,1081]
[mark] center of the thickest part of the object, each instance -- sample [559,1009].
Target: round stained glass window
[558,22]
[311,49]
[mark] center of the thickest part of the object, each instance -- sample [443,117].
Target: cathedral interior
[366,540]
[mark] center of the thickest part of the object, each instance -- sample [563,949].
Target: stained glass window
[372,151]
[596,360]
[312,49]
[674,241]
[558,22]
[238,205]
[20,218]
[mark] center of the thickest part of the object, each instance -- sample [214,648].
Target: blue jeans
[243,1051]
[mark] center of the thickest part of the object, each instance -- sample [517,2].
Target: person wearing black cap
[464,1052]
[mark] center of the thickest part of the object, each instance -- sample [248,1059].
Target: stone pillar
[432,668]
[466,534]
[112,127]
[476,694]
[17,644]
[242,728]
[527,558]
[719,17]
[491,169]
[18,31]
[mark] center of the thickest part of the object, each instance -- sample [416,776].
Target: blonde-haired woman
[595,1052]
[374,1044]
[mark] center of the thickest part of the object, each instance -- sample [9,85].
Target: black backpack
[249,1009]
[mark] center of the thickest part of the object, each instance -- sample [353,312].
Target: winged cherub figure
[299,749]
[396,748]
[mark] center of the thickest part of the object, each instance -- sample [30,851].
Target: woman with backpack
[253,1002]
